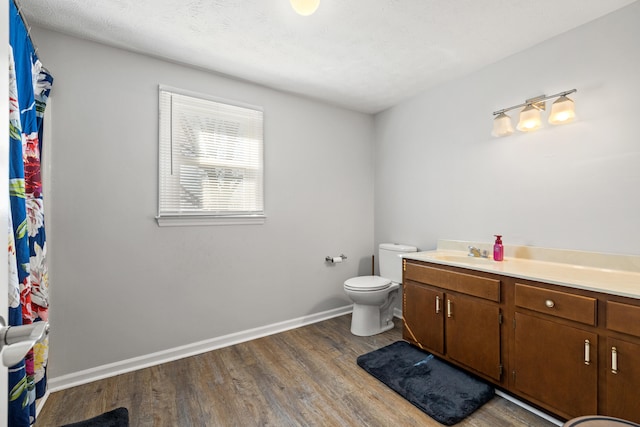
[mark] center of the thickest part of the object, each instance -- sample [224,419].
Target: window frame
[203,218]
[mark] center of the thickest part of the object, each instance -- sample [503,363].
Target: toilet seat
[367,283]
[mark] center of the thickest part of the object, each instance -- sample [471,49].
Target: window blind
[211,157]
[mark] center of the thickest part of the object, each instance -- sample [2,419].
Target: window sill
[173,221]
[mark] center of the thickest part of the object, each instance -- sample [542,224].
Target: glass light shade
[305,7]
[502,125]
[562,111]
[529,119]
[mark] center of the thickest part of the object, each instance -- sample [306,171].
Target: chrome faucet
[475,252]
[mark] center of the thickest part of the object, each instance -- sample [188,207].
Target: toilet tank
[390,261]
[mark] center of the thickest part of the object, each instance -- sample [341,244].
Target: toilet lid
[367,283]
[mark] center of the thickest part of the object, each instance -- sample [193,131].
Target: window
[211,160]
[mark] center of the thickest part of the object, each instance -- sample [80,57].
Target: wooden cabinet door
[622,380]
[472,329]
[422,309]
[549,360]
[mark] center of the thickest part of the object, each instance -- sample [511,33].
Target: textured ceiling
[366,55]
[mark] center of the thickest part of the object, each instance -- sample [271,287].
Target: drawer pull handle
[614,360]
[449,311]
[549,303]
[437,305]
[587,355]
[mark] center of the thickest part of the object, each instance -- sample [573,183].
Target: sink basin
[463,259]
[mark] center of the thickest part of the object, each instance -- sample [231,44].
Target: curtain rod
[26,25]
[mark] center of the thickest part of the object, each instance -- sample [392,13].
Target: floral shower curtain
[29,87]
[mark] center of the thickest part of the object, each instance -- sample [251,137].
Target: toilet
[373,296]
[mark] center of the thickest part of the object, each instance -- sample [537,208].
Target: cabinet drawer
[477,286]
[623,318]
[561,304]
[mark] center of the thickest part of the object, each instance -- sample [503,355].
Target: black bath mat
[447,394]
[117,418]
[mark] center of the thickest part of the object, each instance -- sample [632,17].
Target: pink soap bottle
[498,250]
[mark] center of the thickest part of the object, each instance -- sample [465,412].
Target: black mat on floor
[444,392]
[117,418]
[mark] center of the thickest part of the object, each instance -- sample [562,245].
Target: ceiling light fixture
[305,7]
[562,111]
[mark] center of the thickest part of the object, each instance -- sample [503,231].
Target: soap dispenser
[498,250]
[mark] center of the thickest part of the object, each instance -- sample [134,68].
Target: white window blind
[211,160]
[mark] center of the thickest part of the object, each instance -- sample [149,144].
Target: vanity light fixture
[530,119]
[562,111]
[502,125]
[305,7]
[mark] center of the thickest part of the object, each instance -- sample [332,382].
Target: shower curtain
[29,87]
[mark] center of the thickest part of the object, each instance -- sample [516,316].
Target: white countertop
[553,266]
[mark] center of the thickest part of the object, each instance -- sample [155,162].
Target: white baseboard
[40,402]
[140,362]
[529,408]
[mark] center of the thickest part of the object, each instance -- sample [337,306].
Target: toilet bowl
[373,296]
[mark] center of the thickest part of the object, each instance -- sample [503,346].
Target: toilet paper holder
[334,259]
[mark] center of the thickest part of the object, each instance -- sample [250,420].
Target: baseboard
[528,407]
[40,402]
[133,364]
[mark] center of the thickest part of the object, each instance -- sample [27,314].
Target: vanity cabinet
[556,365]
[554,348]
[622,379]
[569,351]
[622,368]
[454,315]
[473,334]
[555,353]
[423,324]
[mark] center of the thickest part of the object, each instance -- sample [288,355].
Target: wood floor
[303,377]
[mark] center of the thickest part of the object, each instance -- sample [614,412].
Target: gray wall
[123,287]
[440,173]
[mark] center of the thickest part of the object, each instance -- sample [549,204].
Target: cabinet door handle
[549,303]
[449,311]
[614,360]
[437,305]
[587,355]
